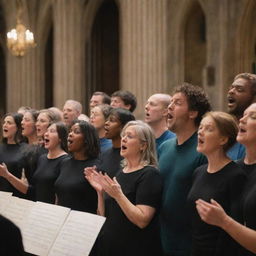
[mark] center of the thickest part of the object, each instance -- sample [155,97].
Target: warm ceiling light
[20,39]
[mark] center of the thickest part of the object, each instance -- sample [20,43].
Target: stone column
[24,76]
[68,51]
[143,48]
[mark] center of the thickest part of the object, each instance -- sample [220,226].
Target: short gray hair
[77,105]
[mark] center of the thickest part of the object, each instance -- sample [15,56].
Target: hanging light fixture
[19,39]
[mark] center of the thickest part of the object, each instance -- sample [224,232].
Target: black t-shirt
[249,198]
[224,186]
[31,157]
[10,239]
[249,195]
[119,236]
[44,178]
[71,187]
[110,161]
[12,156]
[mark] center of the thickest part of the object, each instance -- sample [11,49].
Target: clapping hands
[102,182]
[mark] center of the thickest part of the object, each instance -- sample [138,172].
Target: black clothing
[12,156]
[31,157]
[10,239]
[224,186]
[110,161]
[249,198]
[71,187]
[42,185]
[119,236]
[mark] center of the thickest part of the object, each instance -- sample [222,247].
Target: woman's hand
[212,213]
[111,186]
[93,178]
[3,170]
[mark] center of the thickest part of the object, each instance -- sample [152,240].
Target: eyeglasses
[128,136]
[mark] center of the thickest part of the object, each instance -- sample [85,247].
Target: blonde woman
[133,197]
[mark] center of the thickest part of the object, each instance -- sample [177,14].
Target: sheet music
[77,235]
[4,196]
[42,226]
[17,209]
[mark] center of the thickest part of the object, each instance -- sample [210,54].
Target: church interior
[144,46]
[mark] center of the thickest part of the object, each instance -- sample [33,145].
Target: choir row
[158,181]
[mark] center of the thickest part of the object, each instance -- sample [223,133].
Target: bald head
[164,99]
[156,108]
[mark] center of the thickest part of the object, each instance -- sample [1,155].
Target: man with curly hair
[178,158]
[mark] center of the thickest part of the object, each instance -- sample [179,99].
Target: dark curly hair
[196,98]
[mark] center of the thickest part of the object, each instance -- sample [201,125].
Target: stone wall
[161,44]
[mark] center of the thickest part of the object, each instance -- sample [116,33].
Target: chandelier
[20,39]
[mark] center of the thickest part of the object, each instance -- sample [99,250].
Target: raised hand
[111,186]
[93,178]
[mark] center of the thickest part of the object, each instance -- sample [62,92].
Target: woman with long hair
[41,187]
[72,189]
[11,149]
[34,126]
[28,126]
[131,200]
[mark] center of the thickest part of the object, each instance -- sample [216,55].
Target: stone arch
[246,39]
[195,43]
[194,12]
[102,49]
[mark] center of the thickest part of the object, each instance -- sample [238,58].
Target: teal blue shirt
[165,136]
[177,164]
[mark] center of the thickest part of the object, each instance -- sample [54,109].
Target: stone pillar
[24,81]
[143,48]
[68,51]
[24,74]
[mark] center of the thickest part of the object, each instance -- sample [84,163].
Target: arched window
[195,45]
[102,51]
